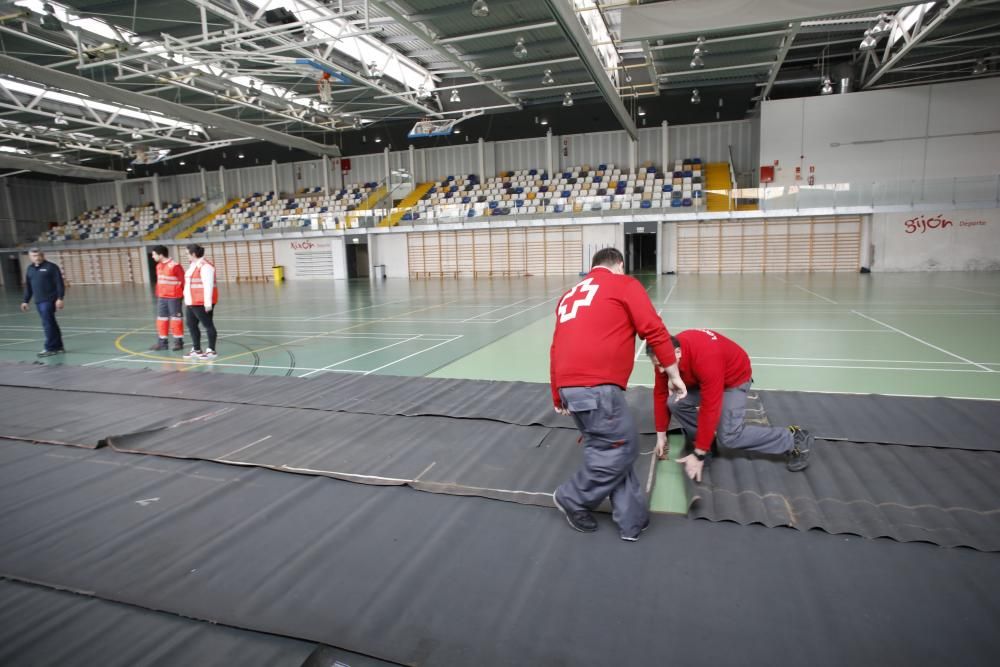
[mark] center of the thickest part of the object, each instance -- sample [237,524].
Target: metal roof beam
[102,91]
[909,39]
[58,169]
[567,18]
[786,44]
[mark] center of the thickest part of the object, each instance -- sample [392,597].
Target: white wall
[596,237]
[941,131]
[937,241]
[330,248]
[391,250]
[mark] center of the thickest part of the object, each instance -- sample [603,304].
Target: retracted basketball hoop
[438,127]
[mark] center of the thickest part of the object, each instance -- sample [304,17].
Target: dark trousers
[196,315]
[610,448]
[53,336]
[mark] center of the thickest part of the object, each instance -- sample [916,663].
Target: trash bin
[380,271]
[279,273]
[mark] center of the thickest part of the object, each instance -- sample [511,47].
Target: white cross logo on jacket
[564,305]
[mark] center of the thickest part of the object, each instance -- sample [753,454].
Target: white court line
[920,340]
[882,368]
[879,361]
[725,328]
[474,317]
[209,364]
[521,312]
[813,293]
[352,310]
[17,342]
[850,393]
[364,354]
[375,370]
[671,292]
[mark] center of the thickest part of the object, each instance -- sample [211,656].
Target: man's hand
[692,466]
[24,307]
[208,307]
[563,411]
[662,446]
[59,304]
[675,385]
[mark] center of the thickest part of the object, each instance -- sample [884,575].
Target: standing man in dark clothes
[44,282]
[718,375]
[593,351]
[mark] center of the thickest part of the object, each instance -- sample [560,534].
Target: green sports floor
[923,334]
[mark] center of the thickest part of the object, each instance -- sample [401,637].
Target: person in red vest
[169,299]
[593,351]
[200,296]
[717,374]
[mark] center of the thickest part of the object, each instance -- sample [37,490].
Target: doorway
[12,271]
[357,260]
[640,252]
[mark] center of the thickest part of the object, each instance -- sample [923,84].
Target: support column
[482,159]
[631,155]
[326,174]
[9,212]
[665,147]
[274,177]
[156,193]
[659,247]
[222,183]
[66,203]
[413,166]
[549,153]
[204,184]
[119,199]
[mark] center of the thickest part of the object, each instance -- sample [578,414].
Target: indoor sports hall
[338,446]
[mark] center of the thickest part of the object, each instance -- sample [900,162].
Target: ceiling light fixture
[696,62]
[480,9]
[699,48]
[378,140]
[980,67]
[454,96]
[182,163]
[543,121]
[695,97]
[136,134]
[520,50]
[869,41]
[568,99]
[547,80]
[240,156]
[641,112]
[827,86]
[882,26]
[61,119]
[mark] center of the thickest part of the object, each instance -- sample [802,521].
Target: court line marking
[920,340]
[671,292]
[882,361]
[498,309]
[522,312]
[364,354]
[375,370]
[813,293]
[352,310]
[209,364]
[882,368]
[850,393]
[237,451]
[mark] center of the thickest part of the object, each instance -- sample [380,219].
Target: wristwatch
[700,455]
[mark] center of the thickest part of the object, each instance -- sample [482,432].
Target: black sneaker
[178,345]
[635,538]
[581,520]
[798,455]
[161,344]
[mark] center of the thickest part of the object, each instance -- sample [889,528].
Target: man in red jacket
[169,293]
[717,374]
[593,351]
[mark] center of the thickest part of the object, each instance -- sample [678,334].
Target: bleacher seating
[309,209]
[577,190]
[107,222]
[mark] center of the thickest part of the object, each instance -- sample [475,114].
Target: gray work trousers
[610,448]
[732,432]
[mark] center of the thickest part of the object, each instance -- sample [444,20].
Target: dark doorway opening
[640,253]
[12,271]
[357,260]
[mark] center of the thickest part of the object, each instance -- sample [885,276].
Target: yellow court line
[122,348]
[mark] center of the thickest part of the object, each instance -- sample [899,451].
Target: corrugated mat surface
[435,580]
[41,627]
[438,454]
[523,403]
[948,497]
[913,421]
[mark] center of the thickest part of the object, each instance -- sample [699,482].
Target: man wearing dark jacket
[718,375]
[44,282]
[593,351]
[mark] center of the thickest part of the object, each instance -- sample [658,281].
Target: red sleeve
[710,371]
[648,324]
[661,411]
[179,273]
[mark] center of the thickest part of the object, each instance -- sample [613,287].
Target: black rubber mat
[948,497]
[913,421]
[437,454]
[41,627]
[429,579]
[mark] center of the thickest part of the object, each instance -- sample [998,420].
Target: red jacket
[596,325]
[169,280]
[711,363]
